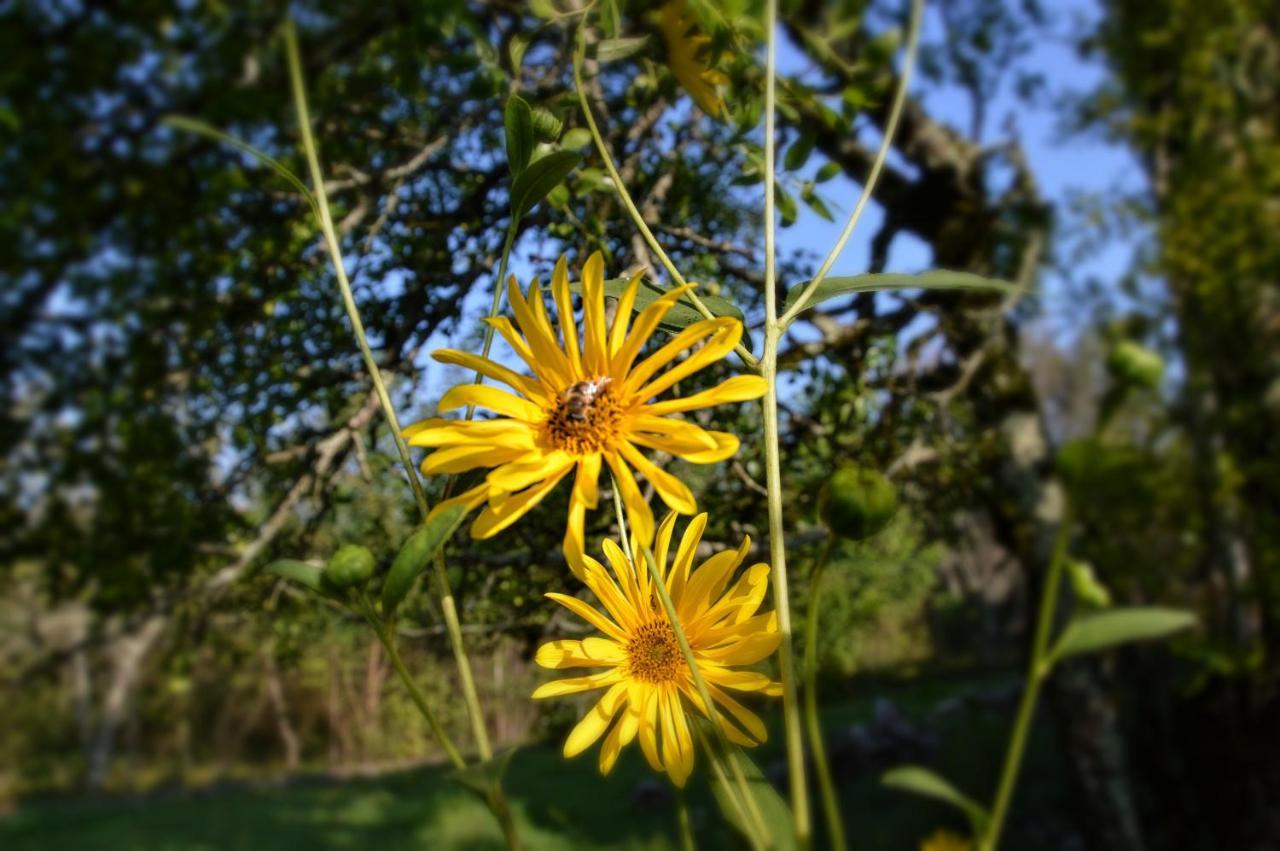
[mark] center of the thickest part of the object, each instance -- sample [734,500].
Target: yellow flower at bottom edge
[684,44]
[587,404]
[945,840]
[649,691]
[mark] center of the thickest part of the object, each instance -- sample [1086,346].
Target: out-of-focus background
[183,403]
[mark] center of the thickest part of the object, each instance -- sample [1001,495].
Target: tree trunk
[130,651]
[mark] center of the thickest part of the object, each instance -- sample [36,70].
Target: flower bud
[351,565]
[857,502]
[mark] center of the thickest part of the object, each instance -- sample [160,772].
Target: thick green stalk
[1037,671]
[447,605]
[830,804]
[773,462]
[754,816]
[890,128]
[687,842]
[625,197]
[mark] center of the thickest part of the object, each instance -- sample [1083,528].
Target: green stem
[452,624]
[890,128]
[773,463]
[623,195]
[687,842]
[755,817]
[1037,672]
[735,799]
[415,694]
[830,804]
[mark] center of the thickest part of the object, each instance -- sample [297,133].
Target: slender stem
[890,128]
[1037,672]
[830,804]
[717,769]
[448,607]
[773,464]
[756,818]
[686,828]
[419,699]
[627,202]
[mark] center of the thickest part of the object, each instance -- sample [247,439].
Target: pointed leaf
[1119,626]
[935,279]
[774,810]
[613,49]
[309,576]
[416,553]
[922,781]
[517,119]
[200,128]
[539,178]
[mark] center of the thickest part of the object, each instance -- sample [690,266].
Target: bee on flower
[649,691]
[589,402]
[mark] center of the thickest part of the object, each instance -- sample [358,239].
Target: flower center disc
[585,417]
[653,654]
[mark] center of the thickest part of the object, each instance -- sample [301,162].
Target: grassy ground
[561,806]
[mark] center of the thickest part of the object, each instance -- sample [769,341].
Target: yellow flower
[945,840]
[587,403]
[684,46]
[648,688]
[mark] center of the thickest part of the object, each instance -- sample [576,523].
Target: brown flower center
[653,654]
[585,417]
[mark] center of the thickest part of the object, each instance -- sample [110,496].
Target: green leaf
[484,778]
[798,153]
[774,810]
[613,49]
[416,553]
[935,279]
[578,137]
[539,178]
[827,172]
[1119,626]
[517,118]
[309,576]
[200,128]
[924,782]
[786,205]
[681,315]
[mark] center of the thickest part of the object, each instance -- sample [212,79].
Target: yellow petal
[528,387]
[646,324]
[590,615]
[739,680]
[594,346]
[506,433]
[492,398]
[510,478]
[680,570]
[681,431]
[550,359]
[662,545]
[470,498]
[677,744]
[574,545]
[749,721]
[498,516]
[564,306]
[648,728]
[575,685]
[595,722]
[460,459]
[626,573]
[674,493]
[622,315]
[590,652]
[638,513]
[706,583]
[740,388]
[745,650]
[714,331]
[621,734]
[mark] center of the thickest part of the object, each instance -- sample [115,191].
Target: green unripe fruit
[1135,365]
[857,502]
[546,125]
[351,565]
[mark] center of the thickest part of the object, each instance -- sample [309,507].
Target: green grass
[561,806]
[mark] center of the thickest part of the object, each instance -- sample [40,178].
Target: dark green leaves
[773,809]
[936,279]
[681,315]
[539,178]
[1119,626]
[517,119]
[921,781]
[417,551]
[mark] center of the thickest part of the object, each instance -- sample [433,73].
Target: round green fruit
[1135,365]
[351,565]
[856,502]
